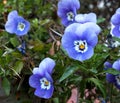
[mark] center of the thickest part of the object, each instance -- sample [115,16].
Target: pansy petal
[47,65]
[72,28]
[116,65]
[110,78]
[88,54]
[107,65]
[115,19]
[118,10]
[68,40]
[89,25]
[88,35]
[40,92]
[26,29]
[115,31]
[13,14]
[83,18]
[49,92]
[10,26]
[34,80]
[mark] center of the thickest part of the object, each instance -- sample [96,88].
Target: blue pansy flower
[67,9]
[84,18]
[115,21]
[41,79]
[115,79]
[16,24]
[79,41]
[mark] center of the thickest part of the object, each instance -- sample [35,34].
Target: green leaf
[112,71]
[18,66]
[99,84]
[6,86]
[56,100]
[14,41]
[70,70]
[100,20]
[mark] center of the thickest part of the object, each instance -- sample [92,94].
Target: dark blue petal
[107,65]
[110,78]
[34,80]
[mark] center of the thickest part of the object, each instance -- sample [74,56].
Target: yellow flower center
[82,46]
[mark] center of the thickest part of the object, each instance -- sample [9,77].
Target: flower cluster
[17,24]
[115,79]
[41,79]
[80,36]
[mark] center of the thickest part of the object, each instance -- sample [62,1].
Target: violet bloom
[67,11]
[115,79]
[79,41]
[16,24]
[84,18]
[115,21]
[41,79]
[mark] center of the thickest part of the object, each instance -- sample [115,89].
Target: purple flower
[41,79]
[115,21]
[16,24]
[79,41]
[83,18]
[115,79]
[67,11]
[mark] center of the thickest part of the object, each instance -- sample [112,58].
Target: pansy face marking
[81,46]
[70,16]
[117,77]
[21,26]
[45,84]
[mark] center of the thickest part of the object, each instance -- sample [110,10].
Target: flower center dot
[70,16]
[21,26]
[45,84]
[80,46]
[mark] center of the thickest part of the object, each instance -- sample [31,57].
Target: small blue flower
[79,41]
[84,18]
[17,24]
[67,11]
[115,21]
[41,79]
[115,79]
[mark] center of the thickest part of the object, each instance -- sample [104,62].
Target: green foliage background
[42,41]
